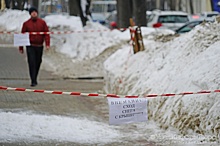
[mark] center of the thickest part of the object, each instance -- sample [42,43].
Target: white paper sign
[21,40]
[127,110]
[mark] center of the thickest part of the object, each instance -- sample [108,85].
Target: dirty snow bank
[188,63]
[12,20]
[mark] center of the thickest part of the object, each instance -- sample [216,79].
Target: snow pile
[188,63]
[49,128]
[12,20]
[79,45]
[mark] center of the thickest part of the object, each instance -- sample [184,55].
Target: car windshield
[173,19]
[188,27]
[98,16]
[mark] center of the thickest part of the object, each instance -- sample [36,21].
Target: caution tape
[107,95]
[60,32]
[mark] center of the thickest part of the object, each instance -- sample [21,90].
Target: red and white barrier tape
[107,95]
[60,32]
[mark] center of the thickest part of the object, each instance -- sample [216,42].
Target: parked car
[101,10]
[194,17]
[209,15]
[167,19]
[99,17]
[190,25]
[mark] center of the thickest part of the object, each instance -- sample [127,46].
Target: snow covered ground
[33,127]
[168,65]
[187,63]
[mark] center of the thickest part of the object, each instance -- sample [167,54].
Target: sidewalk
[14,66]
[14,73]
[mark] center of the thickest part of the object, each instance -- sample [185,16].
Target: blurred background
[169,14]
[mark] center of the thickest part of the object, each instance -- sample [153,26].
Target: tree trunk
[35,3]
[64,6]
[162,5]
[17,4]
[73,7]
[76,10]
[7,3]
[83,18]
[153,5]
[140,12]
[124,12]
[212,5]
[23,3]
[180,5]
[173,5]
[191,6]
[88,8]
[14,4]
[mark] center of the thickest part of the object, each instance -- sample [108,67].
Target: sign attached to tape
[21,40]
[127,110]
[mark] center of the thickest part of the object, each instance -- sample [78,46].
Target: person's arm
[23,30]
[47,36]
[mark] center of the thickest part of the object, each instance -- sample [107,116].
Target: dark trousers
[34,55]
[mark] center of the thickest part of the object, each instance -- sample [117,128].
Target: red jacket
[37,25]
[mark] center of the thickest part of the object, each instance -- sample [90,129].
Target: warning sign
[127,110]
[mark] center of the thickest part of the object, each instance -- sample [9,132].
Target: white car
[167,19]
[209,15]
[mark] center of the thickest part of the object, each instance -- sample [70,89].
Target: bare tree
[173,5]
[211,2]
[8,4]
[153,5]
[191,6]
[180,5]
[18,4]
[75,9]
[140,12]
[124,12]
[35,3]
[64,6]
[88,8]
[162,4]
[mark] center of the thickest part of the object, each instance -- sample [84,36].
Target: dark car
[190,25]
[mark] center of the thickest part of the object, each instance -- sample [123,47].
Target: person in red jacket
[35,50]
